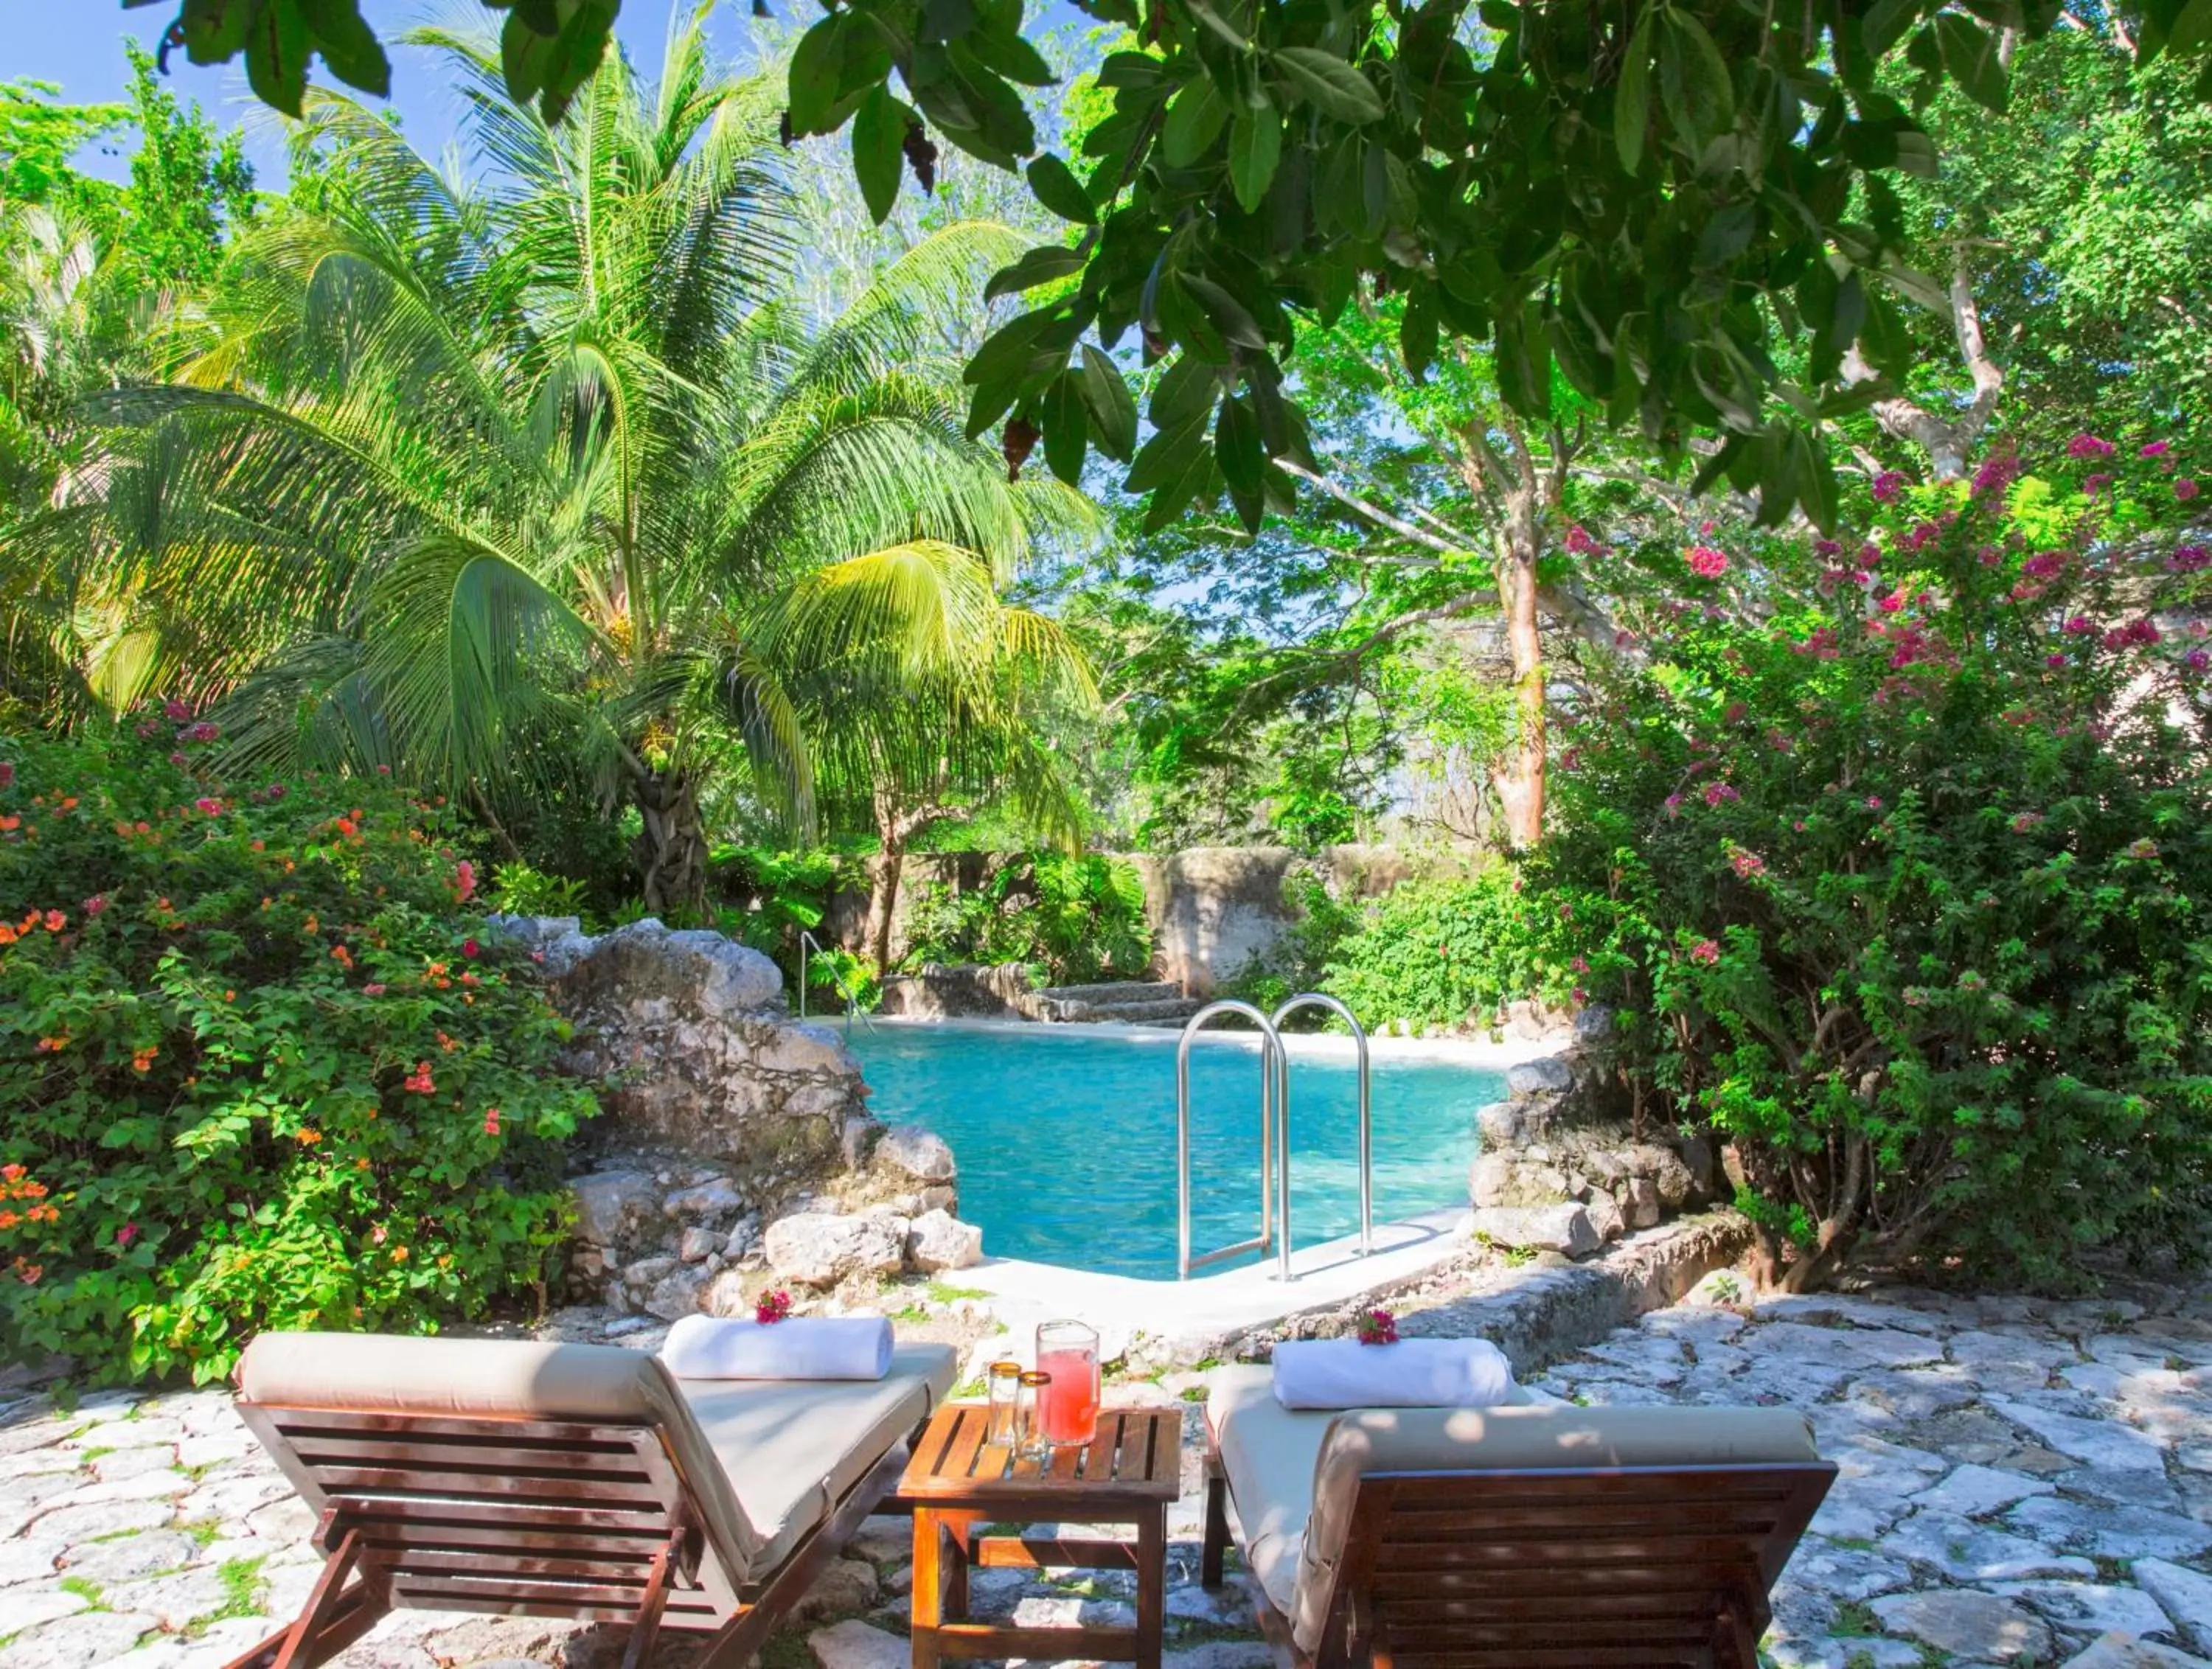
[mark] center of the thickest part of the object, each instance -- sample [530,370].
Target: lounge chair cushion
[1294,1477]
[794,1446]
[778,1463]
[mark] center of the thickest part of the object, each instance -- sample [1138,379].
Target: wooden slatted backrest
[1524,1569]
[479,1514]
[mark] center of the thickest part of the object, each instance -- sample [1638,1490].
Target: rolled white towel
[806,1347]
[1415,1373]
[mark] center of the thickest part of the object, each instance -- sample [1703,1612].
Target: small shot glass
[1005,1381]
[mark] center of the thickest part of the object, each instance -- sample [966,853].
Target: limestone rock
[1642,1204]
[1605,1215]
[1533,1078]
[845,1585]
[611,1204]
[854,1644]
[1980,1627]
[815,1248]
[920,1153]
[714,1201]
[937,1239]
[2121,1651]
[697,1244]
[1565,1229]
[2186,1595]
[725,1295]
[675,1295]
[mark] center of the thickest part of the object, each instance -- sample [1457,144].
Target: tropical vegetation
[1758,592]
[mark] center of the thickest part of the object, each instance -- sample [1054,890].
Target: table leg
[1152,1585]
[959,1527]
[928,1596]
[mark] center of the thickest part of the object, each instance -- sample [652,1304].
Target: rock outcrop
[1563,1167]
[734,1146]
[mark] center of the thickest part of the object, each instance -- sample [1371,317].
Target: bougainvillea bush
[1896,850]
[256,1071]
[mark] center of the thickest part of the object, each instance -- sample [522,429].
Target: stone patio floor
[2023,1483]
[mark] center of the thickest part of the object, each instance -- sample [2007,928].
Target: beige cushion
[794,1446]
[776,1461]
[1295,1476]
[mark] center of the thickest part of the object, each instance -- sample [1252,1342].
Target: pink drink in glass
[1068,1409]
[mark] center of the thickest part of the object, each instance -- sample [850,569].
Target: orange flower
[8,1220]
[7,935]
[53,1045]
[311,926]
[142,1059]
[55,921]
[341,956]
[10,824]
[308,1135]
[69,804]
[399,1254]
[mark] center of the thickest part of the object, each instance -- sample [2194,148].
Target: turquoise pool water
[1065,1136]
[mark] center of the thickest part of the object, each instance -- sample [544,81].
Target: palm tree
[560,478]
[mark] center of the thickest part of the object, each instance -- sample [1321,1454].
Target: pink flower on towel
[1378,1326]
[773,1307]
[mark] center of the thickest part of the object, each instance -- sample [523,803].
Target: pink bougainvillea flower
[1995,476]
[202,731]
[1718,794]
[212,807]
[1674,804]
[2156,449]
[95,904]
[2044,564]
[772,1307]
[1874,802]
[2085,444]
[2188,559]
[1893,602]
[2096,483]
[2054,661]
[1887,485]
[470,948]
[1708,563]
[2196,660]
[176,709]
[373,988]
[491,1121]
[2184,487]
[2079,624]
[2024,821]
[178,760]
[1705,952]
[1748,864]
[1580,964]
[126,1233]
[465,880]
[1377,1326]
[1579,543]
[420,1082]
[6,775]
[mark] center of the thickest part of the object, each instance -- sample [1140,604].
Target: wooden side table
[1130,1473]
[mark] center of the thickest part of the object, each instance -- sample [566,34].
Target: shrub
[1897,854]
[254,1070]
[1073,919]
[1441,954]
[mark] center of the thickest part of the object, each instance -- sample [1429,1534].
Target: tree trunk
[1518,776]
[672,848]
[884,872]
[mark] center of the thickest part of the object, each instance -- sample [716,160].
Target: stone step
[1161,1011]
[1113,991]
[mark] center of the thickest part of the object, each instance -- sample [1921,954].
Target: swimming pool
[1065,1136]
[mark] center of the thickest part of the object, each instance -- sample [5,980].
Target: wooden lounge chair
[1514,1537]
[568,1480]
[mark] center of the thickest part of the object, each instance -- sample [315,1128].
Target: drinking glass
[1006,1382]
[1068,1412]
[1030,1442]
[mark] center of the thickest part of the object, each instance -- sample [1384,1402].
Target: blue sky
[79,44]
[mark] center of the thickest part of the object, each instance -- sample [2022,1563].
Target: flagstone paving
[2023,1483]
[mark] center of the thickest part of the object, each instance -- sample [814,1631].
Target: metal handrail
[1322,999]
[1272,1159]
[852,998]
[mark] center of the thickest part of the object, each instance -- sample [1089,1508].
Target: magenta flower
[2080,624]
[2054,661]
[1887,485]
[1893,601]
[1708,563]
[1995,475]
[212,808]
[2188,559]
[1674,804]
[1579,543]
[126,1235]
[2096,483]
[2044,564]
[2085,444]
[1746,864]
[1706,953]
[1874,802]
[178,760]
[6,774]
[2156,449]
[202,731]
[95,904]
[2184,487]
[1718,793]
[2026,822]
[176,709]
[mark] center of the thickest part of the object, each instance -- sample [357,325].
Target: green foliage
[1076,918]
[255,1072]
[191,190]
[1446,953]
[852,976]
[1299,959]
[1898,855]
[519,890]
[37,137]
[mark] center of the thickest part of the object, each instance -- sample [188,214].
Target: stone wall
[1562,1167]
[734,1146]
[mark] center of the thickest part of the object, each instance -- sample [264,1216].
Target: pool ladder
[1274,1134]
[837,981]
